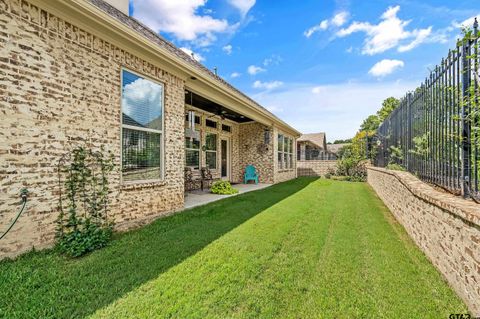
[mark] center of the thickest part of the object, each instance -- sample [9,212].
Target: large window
[142,128]
[284,152]
[211,150]
[192,152]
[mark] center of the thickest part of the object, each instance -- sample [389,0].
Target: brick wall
[315,168]
[445,227]
[251,139]
[60,87]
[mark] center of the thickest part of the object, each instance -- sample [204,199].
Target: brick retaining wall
[315,168]
[444,226]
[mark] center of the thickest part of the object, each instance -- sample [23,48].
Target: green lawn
[306,248]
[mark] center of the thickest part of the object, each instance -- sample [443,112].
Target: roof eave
[96,21]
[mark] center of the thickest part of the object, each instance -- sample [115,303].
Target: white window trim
[131,127]
[282,164]
[210,151]
[199,150]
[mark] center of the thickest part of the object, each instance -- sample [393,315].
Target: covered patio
[196,198]
[221,140]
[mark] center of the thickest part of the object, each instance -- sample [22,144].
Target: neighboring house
[313,156]
[313,147]
[335,148]
[78,72]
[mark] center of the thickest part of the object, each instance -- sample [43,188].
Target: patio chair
[250,174]
[190,181]
[207,177]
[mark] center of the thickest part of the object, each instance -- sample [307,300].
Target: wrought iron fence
[435,132]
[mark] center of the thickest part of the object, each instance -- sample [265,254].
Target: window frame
[199,150]
[285,157]
[211,151]
[136,128]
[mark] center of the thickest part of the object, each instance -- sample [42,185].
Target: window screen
[211,150]
[192,152]
[142,128]
[285,152]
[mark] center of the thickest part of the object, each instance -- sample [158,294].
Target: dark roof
[315,138]
[151,35]
[335,148]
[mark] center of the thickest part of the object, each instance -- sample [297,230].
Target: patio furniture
[207,177]
[190,181]
[250,174]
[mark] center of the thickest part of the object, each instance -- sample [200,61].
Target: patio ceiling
[207,105]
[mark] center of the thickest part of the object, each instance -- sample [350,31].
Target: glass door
[225,158]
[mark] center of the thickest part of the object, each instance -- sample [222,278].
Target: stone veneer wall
[444,226]
[59,87]
[315,168]
[251,139]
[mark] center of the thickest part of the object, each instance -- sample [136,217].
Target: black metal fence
[435,132]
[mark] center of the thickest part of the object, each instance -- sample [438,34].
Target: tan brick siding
[315,168]
[445,227]
[60,87]
[251,139]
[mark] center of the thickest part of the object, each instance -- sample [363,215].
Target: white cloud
[235,75]
[139,93]
[467,23]
[340,18]
[242,5]
[317,89]
[420,37]
[228,49]
[385,67]
[320,27]
[336,109]
[337,20]
[389,33]
[267,85]
[253,69]
[273,60]
[180,18]
[195,55]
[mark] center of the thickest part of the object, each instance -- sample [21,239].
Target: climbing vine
[83,224]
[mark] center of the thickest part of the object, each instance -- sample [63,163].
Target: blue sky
[319,65]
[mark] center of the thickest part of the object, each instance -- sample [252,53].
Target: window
[226,128]
[210,123]
[192,152]
[211,150]
[197,119]
[142,128]
[285,152]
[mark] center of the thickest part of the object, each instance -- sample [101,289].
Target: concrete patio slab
[198,197]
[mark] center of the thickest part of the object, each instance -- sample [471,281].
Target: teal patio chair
[250,174]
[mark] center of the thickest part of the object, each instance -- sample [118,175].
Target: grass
[302,249]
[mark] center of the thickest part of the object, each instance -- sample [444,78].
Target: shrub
[223,188]
[82,225]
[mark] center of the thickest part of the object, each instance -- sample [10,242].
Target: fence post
[466,147]
[409,131]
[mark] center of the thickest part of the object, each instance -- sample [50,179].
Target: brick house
[76,72]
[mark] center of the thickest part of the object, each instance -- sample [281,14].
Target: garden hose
[23,195]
